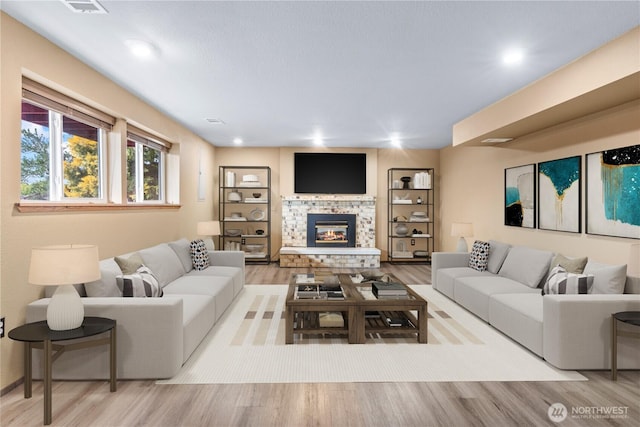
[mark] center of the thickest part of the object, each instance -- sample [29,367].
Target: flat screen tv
[330,173]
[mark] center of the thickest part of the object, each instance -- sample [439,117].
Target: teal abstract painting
[613,192]
[559,194]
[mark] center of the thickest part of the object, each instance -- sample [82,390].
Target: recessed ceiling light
[216,121]
[513,57]
[85,6]
[237,141]
[395,141]
[496,140]
[140,48]
[317,140]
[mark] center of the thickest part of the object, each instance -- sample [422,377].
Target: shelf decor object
[613,192]
[520,196]
[559,183]
[462,230]
[64,266]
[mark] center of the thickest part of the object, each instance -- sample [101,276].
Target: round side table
[38,335]
[630,318]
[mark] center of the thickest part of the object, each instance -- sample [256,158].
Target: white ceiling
[355,72]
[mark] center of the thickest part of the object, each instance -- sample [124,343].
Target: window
[145,167]
[61,148]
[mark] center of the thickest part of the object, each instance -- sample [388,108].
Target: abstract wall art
[613,192]
[559,197]
[520,196]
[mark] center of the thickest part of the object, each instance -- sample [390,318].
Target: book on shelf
[335,295]
[398,322]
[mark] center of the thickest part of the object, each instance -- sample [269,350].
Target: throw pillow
[129,265]
[526,265]
[572,265]
[560,281]
[479,257]
[142,283]
[199,255]
[497,253]
[608,279]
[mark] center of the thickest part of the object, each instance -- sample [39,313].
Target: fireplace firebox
[331,230]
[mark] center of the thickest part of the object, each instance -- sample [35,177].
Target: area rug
[247,346]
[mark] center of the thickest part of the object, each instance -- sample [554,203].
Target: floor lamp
[462,230]
[64,266]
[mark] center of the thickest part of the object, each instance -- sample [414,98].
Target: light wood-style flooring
[143,403]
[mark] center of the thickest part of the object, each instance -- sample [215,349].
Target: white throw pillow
[607,279]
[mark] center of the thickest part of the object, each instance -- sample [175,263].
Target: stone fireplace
[340,216]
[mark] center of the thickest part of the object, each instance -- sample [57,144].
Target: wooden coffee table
[363,313]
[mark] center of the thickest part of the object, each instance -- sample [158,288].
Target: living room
[594,103]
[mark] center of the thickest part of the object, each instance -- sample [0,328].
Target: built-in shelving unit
[245,211]
[411,213]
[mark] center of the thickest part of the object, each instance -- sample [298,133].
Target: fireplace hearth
[331,230]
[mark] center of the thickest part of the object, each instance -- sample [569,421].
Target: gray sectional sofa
[568,331]
[155,336]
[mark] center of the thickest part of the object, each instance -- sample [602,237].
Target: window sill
[87,207]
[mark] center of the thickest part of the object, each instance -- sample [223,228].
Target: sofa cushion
[526,265]
[106,286]
[473,293]
[199,255]
[607,279]
[236,274]
[164,263]
[571,265]
[479,256]
[560,281]
[445,278]
[221,288]
[130,264]
[520,317]
[182,248]
[497,253]
[139,284]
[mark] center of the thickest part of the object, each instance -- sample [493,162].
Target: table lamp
[209,228]
[462,230]
[64,266]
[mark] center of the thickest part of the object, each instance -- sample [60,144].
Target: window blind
[46,97]
[143,137]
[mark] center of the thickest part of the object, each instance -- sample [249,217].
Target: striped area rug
[247,346]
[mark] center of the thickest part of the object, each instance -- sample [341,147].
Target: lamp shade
[64,265]
[461,229]
[209,228]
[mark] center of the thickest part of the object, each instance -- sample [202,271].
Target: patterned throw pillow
[479,257]
[199,255]
[142,284]
[562,282]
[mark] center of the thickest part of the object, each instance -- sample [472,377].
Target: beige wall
[472,183]
[23,51]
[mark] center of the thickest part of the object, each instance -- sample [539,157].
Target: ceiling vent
[85,6]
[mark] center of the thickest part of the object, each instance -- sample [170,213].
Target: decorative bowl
[257,195]
[234,196]
[254,247]
[233,232]
[236,214]
[259,232]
